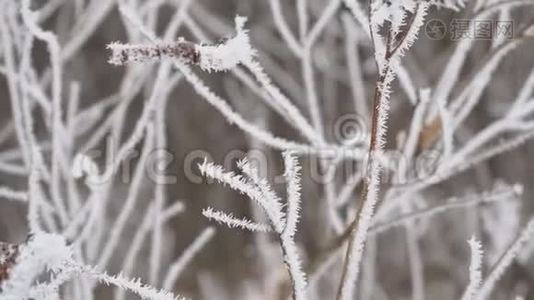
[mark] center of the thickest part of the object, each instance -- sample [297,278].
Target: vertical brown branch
[373,144]
[377,99]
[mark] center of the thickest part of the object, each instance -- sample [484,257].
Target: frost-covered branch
[221,57]
[475,269]
[46,253]
[387,56]
[233,222]
[259,190]
[499,268]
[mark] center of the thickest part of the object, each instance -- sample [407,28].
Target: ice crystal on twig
[217,57]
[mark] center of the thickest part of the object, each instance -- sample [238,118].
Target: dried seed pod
[125,53]
[8,255]
[187,51]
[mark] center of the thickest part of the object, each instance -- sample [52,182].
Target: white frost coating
[392,11]
[526,235]
[233,117]
[42,252]
[255,188]
[292,176]
[46,253]
[291,257]
[132,285]
[219,57]
[240,184]
[33,90]
[274,202]
[233,222]
[475,269]
[258,189]
[386,61]
[228,54]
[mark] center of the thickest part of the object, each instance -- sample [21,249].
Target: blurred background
[237,264]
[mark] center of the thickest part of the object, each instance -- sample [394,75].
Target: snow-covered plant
[403,126]
[475,269]
[387,56]
[221,57]
[49,254]
[283,223]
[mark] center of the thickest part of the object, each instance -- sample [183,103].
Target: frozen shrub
[392,122]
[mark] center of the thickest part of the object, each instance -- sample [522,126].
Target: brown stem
[377,99]
[373,145]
